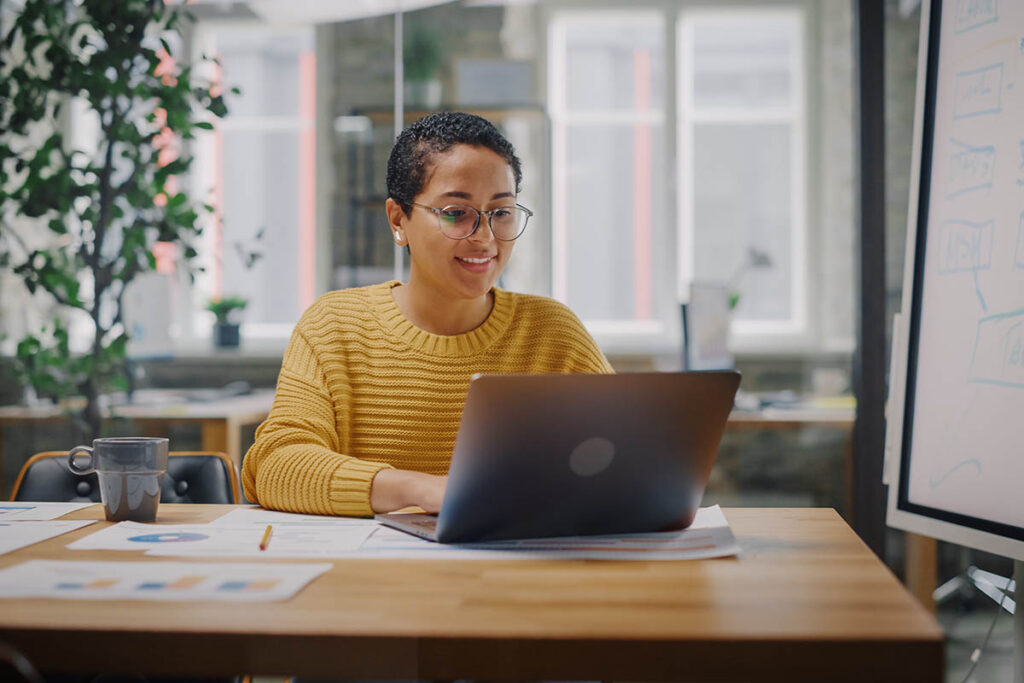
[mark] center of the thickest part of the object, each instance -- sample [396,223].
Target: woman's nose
[483,229]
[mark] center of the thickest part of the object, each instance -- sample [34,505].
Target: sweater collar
[467,344]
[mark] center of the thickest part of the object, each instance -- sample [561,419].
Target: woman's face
[458,268]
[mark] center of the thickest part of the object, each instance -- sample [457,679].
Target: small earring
[398,238]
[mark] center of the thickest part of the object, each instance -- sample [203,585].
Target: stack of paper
[240,532]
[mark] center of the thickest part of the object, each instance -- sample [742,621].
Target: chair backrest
[191,477]
[15,667]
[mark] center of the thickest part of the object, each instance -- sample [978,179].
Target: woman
[373,381]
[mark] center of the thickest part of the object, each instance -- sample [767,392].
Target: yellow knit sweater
[361,389]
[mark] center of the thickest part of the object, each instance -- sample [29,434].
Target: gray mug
[128,469]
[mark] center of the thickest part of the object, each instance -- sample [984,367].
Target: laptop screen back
[565,455]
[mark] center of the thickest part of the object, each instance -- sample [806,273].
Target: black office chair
[15,667]
[191,477]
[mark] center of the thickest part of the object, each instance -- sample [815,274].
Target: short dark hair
[434,134]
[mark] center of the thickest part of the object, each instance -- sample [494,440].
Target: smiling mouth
[467,259]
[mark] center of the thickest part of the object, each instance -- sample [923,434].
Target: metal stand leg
[994,586]
[1018,624]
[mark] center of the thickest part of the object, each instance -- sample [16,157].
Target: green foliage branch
[101,210]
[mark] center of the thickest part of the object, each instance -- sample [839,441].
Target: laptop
[541,456]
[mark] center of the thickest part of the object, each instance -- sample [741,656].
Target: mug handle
[74,467]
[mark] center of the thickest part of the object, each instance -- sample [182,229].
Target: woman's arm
[296,463]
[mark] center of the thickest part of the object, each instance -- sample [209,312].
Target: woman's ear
[396,220]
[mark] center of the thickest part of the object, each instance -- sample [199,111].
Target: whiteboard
[955,445]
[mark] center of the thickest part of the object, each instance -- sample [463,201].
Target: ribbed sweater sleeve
[295,463]
[361,388]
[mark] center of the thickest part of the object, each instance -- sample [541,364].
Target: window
[741,133]
[258,166]
[607,103]
[671,166]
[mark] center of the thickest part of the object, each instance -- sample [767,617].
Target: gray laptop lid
[565,455]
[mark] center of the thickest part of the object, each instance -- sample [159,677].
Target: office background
[663,143]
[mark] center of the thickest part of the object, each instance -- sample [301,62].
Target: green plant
[754,258]
[421,53]
[223,307]
[79,225]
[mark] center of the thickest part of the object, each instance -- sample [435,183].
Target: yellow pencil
[266,538]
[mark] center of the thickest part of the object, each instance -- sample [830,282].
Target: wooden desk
[157,411]
[784,418]
[806,601]
[795,419]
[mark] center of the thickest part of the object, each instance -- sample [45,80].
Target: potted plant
[421,60]
[754,258]
[78,225]
[226,326]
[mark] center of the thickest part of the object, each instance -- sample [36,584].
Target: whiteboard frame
[901,514]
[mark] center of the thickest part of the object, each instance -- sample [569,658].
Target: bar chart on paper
[163,581]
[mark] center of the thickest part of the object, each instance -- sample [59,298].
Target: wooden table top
[805,601]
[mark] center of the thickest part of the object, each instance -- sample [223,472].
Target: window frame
[615,336]
[801,333]
[195,329]
[749,335]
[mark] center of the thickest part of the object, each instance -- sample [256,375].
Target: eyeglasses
[458,222]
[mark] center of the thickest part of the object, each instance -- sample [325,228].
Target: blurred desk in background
[837,411]
[220,417]
[774,436]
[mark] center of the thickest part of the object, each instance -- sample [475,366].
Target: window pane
[613,208]
[742,192]
[264,65]
[614,65]
[261,193]
[743,61]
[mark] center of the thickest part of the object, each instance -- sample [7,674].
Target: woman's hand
[396,489]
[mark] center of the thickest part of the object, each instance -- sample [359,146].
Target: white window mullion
[741,116]
[798,189]
[623,117]
[559,201]
[269,124]
[684,93]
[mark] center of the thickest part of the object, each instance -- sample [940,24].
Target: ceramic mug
[128,469]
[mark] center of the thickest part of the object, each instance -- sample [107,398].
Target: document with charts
[14,535]
[31,511]
[162,581]
[208,540]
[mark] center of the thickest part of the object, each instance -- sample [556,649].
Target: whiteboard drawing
[970,168]
[971,14]
[1018,256]
[978,92]
[998,356]
[966,246]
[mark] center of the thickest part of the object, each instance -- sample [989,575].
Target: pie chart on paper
[168,538]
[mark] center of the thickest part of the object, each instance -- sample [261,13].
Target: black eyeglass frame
[476,225]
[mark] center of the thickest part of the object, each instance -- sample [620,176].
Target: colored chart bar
[262,584]
[233,586]
[186,582]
